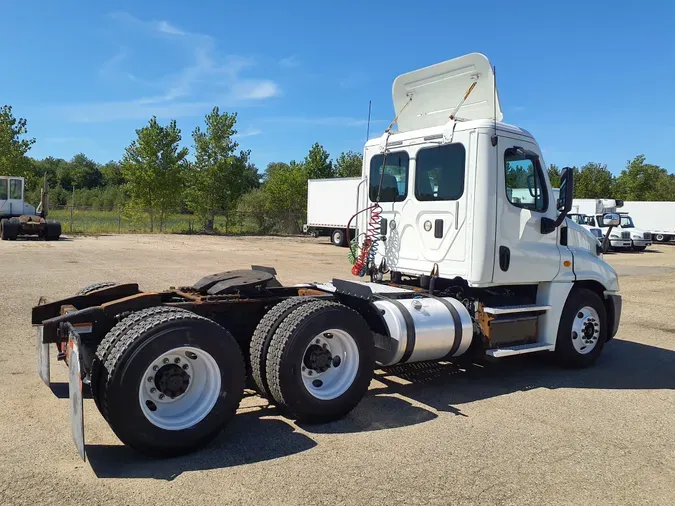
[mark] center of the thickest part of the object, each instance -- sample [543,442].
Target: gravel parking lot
[518,431]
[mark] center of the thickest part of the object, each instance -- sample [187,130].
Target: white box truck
[658,218]
[330,205]
[471,271]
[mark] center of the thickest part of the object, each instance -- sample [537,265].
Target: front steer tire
[126,367]
[287,354]
[569,350]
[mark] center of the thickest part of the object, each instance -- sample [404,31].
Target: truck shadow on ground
[401,396]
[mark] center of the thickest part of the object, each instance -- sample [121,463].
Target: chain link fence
[140,221]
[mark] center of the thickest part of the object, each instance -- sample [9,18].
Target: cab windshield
[627,222]
[581,219]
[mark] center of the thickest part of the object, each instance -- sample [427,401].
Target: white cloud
[168,28]
[254,90]
[249,132]
[289,62]
[132,110]
[208,79]
[339,121]
[161,26]
[111,66]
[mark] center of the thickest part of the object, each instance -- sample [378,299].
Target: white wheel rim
[191,376]
[585,330]
[327,381]
[337,237]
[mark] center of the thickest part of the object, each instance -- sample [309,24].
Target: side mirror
[564,203]
[611,220]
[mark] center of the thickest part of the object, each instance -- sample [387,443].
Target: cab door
[436,212]
[387,175]
[523,252]
[15,194]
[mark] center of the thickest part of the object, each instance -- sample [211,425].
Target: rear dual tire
[262,337]
[168,380]
[52,231]
[9,229]
[320,362]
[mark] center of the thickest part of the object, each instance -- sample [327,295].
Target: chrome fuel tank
[424,329]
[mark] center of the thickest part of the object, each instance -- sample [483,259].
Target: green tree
[47,166]
[644,181]
[152,165]
[13,145]
[318,164]
[112,174]
[65,175]
[85,172]
[593,181]
[349,164]
[554,175]
[218,177]
[256,204]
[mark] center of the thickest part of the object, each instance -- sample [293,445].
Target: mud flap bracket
[74,359]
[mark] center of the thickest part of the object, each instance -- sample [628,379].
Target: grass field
[87,221]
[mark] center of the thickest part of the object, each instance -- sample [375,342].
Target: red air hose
[370,241]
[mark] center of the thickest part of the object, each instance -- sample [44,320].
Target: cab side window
[440,172]
[3,189]
[15,189]
[525,186]
[389,177]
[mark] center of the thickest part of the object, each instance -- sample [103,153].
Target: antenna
[370,103]
[494,104]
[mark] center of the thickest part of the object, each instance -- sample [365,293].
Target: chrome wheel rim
[585,330]
[179,388]
[329,364]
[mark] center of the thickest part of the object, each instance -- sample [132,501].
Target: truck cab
[626,236]
[12,197]
[640,239]
[468,193]
[459,196]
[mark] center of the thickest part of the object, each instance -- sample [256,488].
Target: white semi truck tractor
[461,251]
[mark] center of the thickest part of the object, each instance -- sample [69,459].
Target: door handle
[438,229]
[504,258]
[456,214]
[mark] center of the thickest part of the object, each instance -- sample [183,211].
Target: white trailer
[658,218]
[472,271]
[330,205]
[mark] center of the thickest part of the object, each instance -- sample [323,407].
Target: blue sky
[592,80]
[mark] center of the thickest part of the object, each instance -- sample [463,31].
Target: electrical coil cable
[365,258]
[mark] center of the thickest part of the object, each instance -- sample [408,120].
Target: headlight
[614,236]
